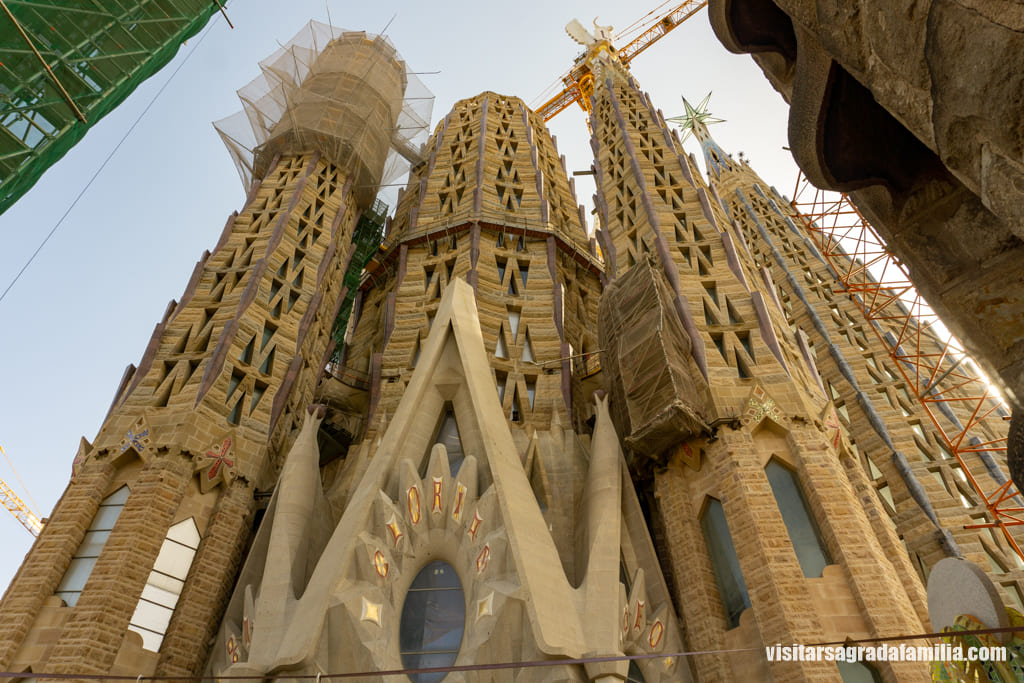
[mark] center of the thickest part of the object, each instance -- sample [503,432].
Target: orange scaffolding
[933,363]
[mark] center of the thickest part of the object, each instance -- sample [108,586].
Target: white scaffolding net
[347,94]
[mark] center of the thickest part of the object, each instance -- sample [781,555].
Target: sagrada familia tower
[537,454]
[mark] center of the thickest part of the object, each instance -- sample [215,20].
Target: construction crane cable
[621,35]
[103,165]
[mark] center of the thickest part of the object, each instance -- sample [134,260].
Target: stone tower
[755,490]
[133,570]
[923,489]
[452,492]
[481,520]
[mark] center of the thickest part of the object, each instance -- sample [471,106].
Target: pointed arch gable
[453,369]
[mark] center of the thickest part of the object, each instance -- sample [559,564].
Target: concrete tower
[766,539]
[133,570]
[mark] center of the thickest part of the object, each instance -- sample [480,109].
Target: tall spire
[696,120]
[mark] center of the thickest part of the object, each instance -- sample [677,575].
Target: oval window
[433,619]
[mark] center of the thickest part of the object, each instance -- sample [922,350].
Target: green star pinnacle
[695,117]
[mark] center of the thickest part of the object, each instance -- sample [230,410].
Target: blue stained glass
[803,532]
[448,434]
[433,619]
[725,563]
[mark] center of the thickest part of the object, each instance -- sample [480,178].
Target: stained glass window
[433,619]
[803,532]
[726,564]
[448,435]
[634,675]
[166,581]
[70,588]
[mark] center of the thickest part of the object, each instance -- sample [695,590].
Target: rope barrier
[498,665]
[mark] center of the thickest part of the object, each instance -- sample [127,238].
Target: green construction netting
[366,238]
[100,52]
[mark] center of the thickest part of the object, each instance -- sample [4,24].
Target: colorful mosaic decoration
[474,526]
[482,559]
[412,498]
[759,406]
[691,455]
[436,505]
[380,564]
[460,496]
[232,648]
[371,611]
[485,606]
[638,624]
[832,426]
[988,671]
[137,437]
[394,530]
[657,631]
[215,466]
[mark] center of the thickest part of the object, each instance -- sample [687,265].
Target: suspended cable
[514,665]
[99,170]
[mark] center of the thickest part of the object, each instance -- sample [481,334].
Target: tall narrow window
[433,619]
[513,324]
[803,532]
[634,675]
[527,356]
[160,596]
[516,415]
[501,378]
[726,564]
[500,350]
[70,588]
[448,435]
[531,390]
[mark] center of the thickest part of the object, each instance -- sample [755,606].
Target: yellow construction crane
[578,82]
[17,507]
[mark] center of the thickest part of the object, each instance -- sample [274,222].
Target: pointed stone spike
[84,450]
[248,617]
[298,495]
[530,455]
[638,606]
[557,432]
[603,501]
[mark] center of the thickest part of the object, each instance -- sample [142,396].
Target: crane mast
[579,81]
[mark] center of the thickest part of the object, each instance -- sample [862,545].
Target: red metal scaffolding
[934,365]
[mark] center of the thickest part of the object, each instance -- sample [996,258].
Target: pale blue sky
[86,307]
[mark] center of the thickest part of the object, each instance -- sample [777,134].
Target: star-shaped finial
[695,117]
